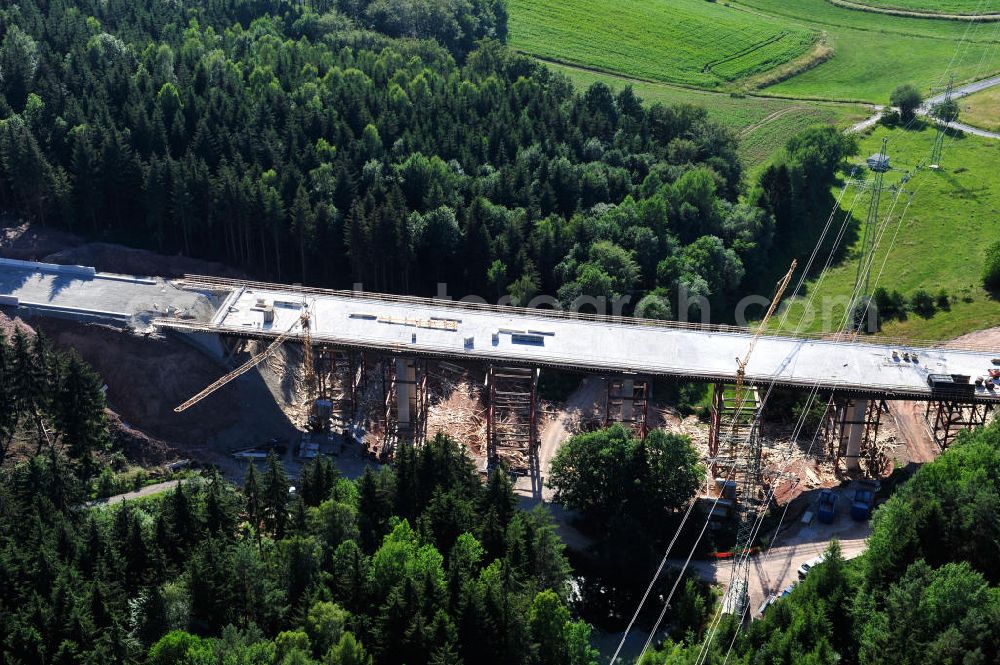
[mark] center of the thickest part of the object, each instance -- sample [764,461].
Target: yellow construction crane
[309,370]
[302,321]
[741,368]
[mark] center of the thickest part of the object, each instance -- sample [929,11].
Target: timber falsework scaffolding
[627,402]
[953,416]
[512,417]
[405,381]
[850,434]
[340,374]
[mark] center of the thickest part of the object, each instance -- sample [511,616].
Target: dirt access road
[147,491]
[585,402]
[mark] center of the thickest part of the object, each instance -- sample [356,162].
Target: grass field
[726,46]
[982,109]
[762,123]
[873,53]
[931,6]
[940,244]
[690,42]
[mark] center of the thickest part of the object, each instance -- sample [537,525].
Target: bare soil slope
[147,376]
[34,243]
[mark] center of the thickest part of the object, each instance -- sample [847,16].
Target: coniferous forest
[395,143]
[420,563]
[400,144]
[424,562]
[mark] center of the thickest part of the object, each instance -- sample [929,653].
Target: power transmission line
[866,260]
[783,321]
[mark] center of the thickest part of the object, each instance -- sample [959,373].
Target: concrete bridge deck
[79,292]
[486,334]
[541,338]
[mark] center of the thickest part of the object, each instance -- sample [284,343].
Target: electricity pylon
[942,123]
[862,280]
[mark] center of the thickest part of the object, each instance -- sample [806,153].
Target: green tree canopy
[991,267]
[907,99]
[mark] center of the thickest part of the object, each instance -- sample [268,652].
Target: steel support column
[734,420]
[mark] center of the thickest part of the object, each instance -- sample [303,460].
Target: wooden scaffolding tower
[341,375]
[850,432]
[512,417]
[405,403]
[952,416]
[627,402]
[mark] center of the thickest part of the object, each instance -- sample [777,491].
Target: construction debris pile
[457,407]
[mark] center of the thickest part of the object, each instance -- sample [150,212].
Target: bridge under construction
[355,331]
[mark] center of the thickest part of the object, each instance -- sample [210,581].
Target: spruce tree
[274,495]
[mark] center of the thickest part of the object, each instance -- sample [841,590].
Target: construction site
[227,370]
[390,370]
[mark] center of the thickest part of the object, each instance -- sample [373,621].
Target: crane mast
[302,321]
[309,371]
[746,460]
[741,365]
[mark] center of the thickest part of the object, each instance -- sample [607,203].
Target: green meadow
[761,122]
[873,53]
[982,109]
[930,6]
[691,42]
[821,50]
[935,243]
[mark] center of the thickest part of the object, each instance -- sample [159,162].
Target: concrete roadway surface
[773,570]
[101,296]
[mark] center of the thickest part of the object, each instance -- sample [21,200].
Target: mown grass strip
[952,7]
[689,42]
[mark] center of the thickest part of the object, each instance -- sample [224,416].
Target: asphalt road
[148,490]
[774,570]
[958,93]
[964,90]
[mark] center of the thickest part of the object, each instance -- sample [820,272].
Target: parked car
[771,598]
[810,564]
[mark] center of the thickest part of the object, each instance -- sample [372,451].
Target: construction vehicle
[864,501]
[809,565]
[827,508]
